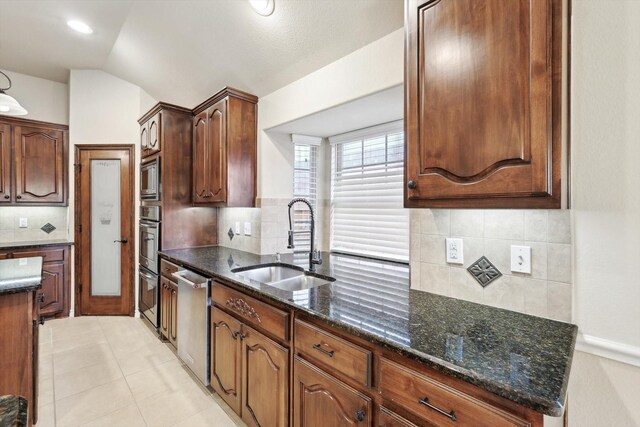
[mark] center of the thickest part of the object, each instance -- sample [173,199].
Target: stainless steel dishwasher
[194,300]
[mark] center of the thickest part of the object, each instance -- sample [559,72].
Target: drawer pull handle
[425,402]
[240,306]
[322,350]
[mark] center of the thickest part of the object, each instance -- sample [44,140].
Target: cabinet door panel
[144,139]
[200,159]
[5,164]
[386,418]
[216,152]
[320,399]
[154,135]
[165,301]
[39,165]
[226,358]
[52,288]
[480,102]
[173,316]
[265,381]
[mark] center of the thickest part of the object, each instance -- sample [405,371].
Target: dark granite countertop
[523,358]
[13,411]
[20,275]
[34,244]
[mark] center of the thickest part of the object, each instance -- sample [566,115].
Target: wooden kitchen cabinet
[249,370]
[265,380]
[319,399]
[169,311]
[33,163]
[144,139]
[226,358]
[483,103]
[150,142]
[387,418]
[53,297]
[224,150]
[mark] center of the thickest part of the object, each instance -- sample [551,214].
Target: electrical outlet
[236,229]
[455,253]
[521,259]
[247,229]
[24,222]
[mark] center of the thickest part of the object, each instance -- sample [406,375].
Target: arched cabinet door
[144,140]
[217,152]
[200,158]
[483,103]
[154,144]
[39,165]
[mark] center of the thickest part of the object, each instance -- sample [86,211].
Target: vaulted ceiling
[182,51]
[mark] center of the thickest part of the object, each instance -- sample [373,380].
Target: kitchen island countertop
[20,275]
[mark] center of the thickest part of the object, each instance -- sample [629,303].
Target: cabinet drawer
[166,268]
[436,402]
[387,418]
[48,255]
[252,311]
[334,352]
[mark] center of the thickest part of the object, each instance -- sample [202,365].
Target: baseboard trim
[613,350]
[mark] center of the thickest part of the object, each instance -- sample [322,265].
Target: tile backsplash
[37,217]
[545,292]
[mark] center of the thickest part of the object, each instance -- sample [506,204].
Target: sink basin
[269,274]
[288,278]
[299,283]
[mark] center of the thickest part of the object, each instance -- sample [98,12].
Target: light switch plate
[455,252]
[247,229]
[236,229]
[24,222]
[521,259]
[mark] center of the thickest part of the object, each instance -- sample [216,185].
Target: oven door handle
[147,276]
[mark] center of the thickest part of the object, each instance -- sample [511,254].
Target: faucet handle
[316,259]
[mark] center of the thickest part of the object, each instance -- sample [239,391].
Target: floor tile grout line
[135,402]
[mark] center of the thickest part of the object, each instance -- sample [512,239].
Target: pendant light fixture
[8,104]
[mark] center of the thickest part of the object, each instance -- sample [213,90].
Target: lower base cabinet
[387,418]
[321,400]
[169,311]
[249,371]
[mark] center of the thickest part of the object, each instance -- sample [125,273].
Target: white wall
[104,110]
[45,100]
[606,209]
[375,67]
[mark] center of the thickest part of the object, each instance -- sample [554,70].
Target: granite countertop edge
[34,244]
[553,408]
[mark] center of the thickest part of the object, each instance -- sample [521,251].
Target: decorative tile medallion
[47,228]
[230,233]
[483,271]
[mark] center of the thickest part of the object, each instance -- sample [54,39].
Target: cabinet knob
[6,196]
[17,197]
[360,415]
[41,321]
[41,298]
[411,185]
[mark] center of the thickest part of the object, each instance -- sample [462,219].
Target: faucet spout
[314,259]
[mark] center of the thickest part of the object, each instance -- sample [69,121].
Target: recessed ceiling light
[263,7]
[80,27]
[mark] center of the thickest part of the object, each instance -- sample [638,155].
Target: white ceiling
[381,107]
[184,51]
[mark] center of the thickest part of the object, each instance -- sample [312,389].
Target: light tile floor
[113,371]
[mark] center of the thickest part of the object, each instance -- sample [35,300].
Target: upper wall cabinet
[224,150]
[150,136]
[483,103]
[33,163]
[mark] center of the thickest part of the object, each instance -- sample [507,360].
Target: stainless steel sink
[269,274]
[299,283]
[283,277]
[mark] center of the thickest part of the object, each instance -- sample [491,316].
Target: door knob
[123,241]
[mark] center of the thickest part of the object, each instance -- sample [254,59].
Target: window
[367,175]
[304,185]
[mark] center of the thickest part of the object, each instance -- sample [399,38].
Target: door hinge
[80,228]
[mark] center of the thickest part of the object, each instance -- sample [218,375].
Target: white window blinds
[367,214]
[304,185]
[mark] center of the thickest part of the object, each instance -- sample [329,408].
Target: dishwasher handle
[181,277]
